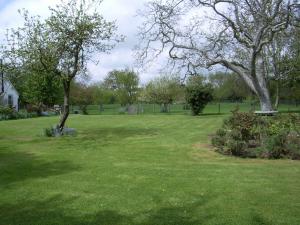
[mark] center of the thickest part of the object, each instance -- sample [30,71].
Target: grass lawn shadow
[54,211]
[117,134]
[19,166]
[57,211]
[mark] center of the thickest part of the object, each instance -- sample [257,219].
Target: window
[10,101]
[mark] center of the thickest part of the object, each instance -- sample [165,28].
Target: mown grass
[138,170]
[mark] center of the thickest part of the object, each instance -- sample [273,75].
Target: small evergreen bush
[50,132]
[198,96]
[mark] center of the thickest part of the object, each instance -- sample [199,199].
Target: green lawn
[138,170]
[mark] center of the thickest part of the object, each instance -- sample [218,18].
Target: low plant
[198,96]
[50,132]
[250,135]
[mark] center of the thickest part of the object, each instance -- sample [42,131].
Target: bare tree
[233,34]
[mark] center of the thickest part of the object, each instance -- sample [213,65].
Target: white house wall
[9,90]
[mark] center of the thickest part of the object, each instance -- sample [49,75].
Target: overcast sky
[123,11]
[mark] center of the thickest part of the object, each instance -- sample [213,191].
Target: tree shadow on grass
[54,211]
[20,166]
[109,136]
[212,114]
[57,211]
[118,132]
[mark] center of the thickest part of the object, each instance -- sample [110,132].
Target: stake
[2,77]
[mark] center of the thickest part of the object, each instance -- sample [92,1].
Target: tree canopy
[163,90]
[125,83]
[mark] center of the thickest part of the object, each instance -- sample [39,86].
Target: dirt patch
[210,136]
[203,145]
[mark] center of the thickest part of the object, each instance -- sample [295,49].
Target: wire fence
[214,108]
[211,108]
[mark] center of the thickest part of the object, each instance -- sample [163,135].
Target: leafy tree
[125,83]
[198,94]
[237,39]
[292,61]
[81,95]
[63,43]
[163,90]
[284,59]
[229,86]
[39,89]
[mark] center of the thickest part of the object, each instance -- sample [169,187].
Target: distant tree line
[124,87]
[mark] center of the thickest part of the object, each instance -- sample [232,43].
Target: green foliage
[250,135]
[229,86]
[198,95]
[125,84]
[219,140]
[285,61]
[7,113]
[50,132]
[275,145]
[6,110]
[82,96]
[163,90]
[62,44]
[34,85]
[46,89]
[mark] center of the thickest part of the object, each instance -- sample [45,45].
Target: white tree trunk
[265,100]
[256,82]
[260,84]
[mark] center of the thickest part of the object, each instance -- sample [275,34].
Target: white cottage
[8,95]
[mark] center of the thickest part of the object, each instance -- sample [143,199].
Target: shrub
[6,112]
[275,145]
[50,132]
[83,109]
[219,140]
[197,96]
[237,148]
[250,135]
[293,145]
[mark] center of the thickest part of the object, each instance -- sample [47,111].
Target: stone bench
[266,113]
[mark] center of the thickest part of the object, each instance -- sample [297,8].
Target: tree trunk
[265,101]
[277,96]
[256,81]
[164,108]
[260,84]
[66,107]
[263,94]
